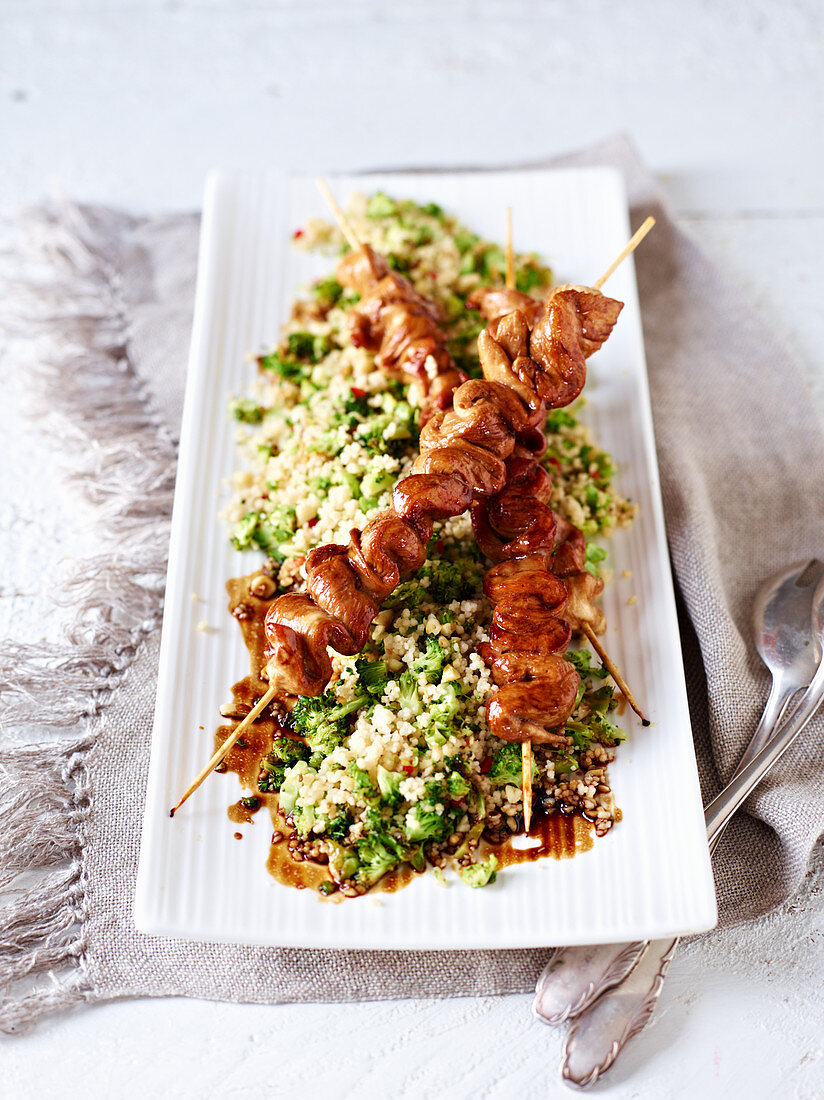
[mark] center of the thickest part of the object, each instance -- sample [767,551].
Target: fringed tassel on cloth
[44,803]
[68,337]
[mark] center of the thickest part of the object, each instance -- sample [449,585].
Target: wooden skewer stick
[526,746]
[344,224]
[630,247]
[613,670]
[510,255]
[233,737]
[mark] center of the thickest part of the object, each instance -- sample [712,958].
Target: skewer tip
[172,811]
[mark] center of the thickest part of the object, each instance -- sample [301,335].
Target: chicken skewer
[347,583]
[395,322]
[401,326]
[562,677]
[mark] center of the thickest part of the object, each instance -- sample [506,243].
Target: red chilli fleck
[555,463]
[358,392]
[298,233]
[312,522]
[408,768]
[486,764]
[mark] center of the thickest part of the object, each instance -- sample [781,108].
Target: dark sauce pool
[556,835]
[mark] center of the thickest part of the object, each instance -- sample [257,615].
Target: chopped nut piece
[262,586]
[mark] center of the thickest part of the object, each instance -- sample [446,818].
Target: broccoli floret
[434,793]
[363,782]
[465,240]
[338,827]
[582,660]
[601,700]
[287,799]
[244,531]
[378,850]
[507,765]
[275,526]
[327,291]
[320,485]
[306,347]
[457,786]
[322,721]
[447,704]
[343,862]
[246,410]
[380,205]
[330,442]
[389,784]
[356,403]
[449,581]
[286,751]
[431,662]
[374,860]
[315,718]
[282,366]
[422,823]
[376,482]
[345,478]
[271,776]
[373,676]
[303,818]
[480,874]
[433,210]
[527,279]
[604,731]
[443,713]
[408,694]
[560,418]
[311,713]
[266,530]
[409,594]
[435,735]
[579,733]
[446,582]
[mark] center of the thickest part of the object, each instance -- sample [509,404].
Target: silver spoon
[576,976]
[597,1036]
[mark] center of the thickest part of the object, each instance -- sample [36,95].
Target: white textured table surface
[132,103]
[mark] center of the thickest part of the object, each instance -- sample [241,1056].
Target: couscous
[395,763]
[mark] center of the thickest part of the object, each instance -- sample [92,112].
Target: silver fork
[576,977]
[597,1036]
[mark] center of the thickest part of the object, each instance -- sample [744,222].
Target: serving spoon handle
[575,977]
[599,1033]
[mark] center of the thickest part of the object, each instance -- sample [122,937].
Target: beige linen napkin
[107,305]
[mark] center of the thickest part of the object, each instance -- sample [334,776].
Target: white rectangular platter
[650,876]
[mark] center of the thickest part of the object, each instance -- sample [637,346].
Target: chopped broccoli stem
[246,410]
[480,874]
[409,697]
[422,823]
